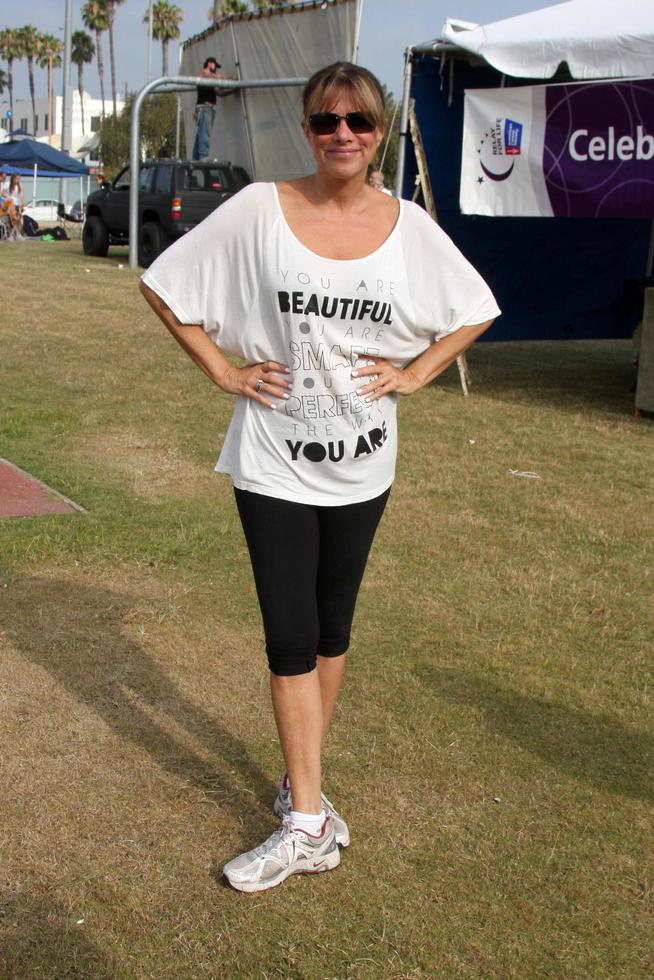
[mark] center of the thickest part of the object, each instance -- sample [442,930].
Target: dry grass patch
[150,471]
[494,745]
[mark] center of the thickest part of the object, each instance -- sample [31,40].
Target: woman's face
[343,154]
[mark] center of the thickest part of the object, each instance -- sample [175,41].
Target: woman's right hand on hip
[261,382]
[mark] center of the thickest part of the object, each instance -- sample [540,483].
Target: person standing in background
[7,207]
[205,109]
[18,197]
[376,180]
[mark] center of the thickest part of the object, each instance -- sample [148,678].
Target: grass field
[494,748]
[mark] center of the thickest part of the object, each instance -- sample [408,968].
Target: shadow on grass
[77,635]
[41,939]
[592,748]
[577,375]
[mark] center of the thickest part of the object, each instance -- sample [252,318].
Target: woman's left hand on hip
[381,378]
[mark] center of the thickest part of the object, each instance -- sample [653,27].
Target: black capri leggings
[308,563]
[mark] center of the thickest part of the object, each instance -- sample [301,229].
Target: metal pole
[66,101]
[50,85]
[178,118]
[175,83]
[388,137]
[244,106]
[404,122]
[650,253]
[357,32]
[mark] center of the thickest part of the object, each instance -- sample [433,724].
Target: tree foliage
[158,123]
[110,7]
[31,41]
[82,53]
[94,15]
[11,49]
[166,18]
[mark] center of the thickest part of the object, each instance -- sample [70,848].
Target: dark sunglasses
[326,123]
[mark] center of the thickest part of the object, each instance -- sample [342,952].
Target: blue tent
[26,157]
[554,278]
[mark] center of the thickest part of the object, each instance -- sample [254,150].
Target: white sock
[310,822]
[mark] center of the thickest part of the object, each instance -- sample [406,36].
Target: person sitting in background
[17,196]
[7,207]
[376,180]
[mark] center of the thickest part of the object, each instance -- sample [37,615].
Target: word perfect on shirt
[335,307]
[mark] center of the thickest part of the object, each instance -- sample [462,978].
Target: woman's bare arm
[386,378]
[203,352]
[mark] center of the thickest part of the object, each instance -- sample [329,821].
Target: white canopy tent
[595,40]
[576,41]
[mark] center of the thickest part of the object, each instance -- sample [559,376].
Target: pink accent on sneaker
[315,836]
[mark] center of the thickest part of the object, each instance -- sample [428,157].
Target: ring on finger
[259,385]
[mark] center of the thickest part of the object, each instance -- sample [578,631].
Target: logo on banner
[502,140]
[512,137]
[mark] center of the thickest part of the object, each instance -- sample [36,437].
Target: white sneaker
[284,804]
[286,852]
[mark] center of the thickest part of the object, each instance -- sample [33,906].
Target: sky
[388,27]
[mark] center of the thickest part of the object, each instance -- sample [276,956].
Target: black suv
[174,196]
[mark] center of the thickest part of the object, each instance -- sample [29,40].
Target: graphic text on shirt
[355,327]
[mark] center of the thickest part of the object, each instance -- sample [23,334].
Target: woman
[17,196]
[339,298]
[7,207]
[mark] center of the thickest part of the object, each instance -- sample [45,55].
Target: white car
[42,210]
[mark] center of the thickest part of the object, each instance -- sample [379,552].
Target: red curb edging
[22,495]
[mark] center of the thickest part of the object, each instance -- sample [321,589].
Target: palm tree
[82,54]
[166,18]
[49,57]
[11,49]
[94,15]
[31,40]
[110,6]
[221,8]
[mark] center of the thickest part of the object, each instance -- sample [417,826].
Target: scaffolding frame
[171,84]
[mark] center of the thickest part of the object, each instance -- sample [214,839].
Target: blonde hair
[324,88]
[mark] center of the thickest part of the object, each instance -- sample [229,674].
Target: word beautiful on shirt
[361,322]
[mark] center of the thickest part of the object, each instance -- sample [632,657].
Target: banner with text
[583,150]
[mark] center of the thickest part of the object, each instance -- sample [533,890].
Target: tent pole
[388,137]
[34,185]
[404,121]
[244,108]
[67,95]
[178,118]
[650,253]
[357,32]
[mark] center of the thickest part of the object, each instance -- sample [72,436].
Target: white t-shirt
[261,294]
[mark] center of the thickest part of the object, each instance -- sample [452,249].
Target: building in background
[47,123]
[84,141]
